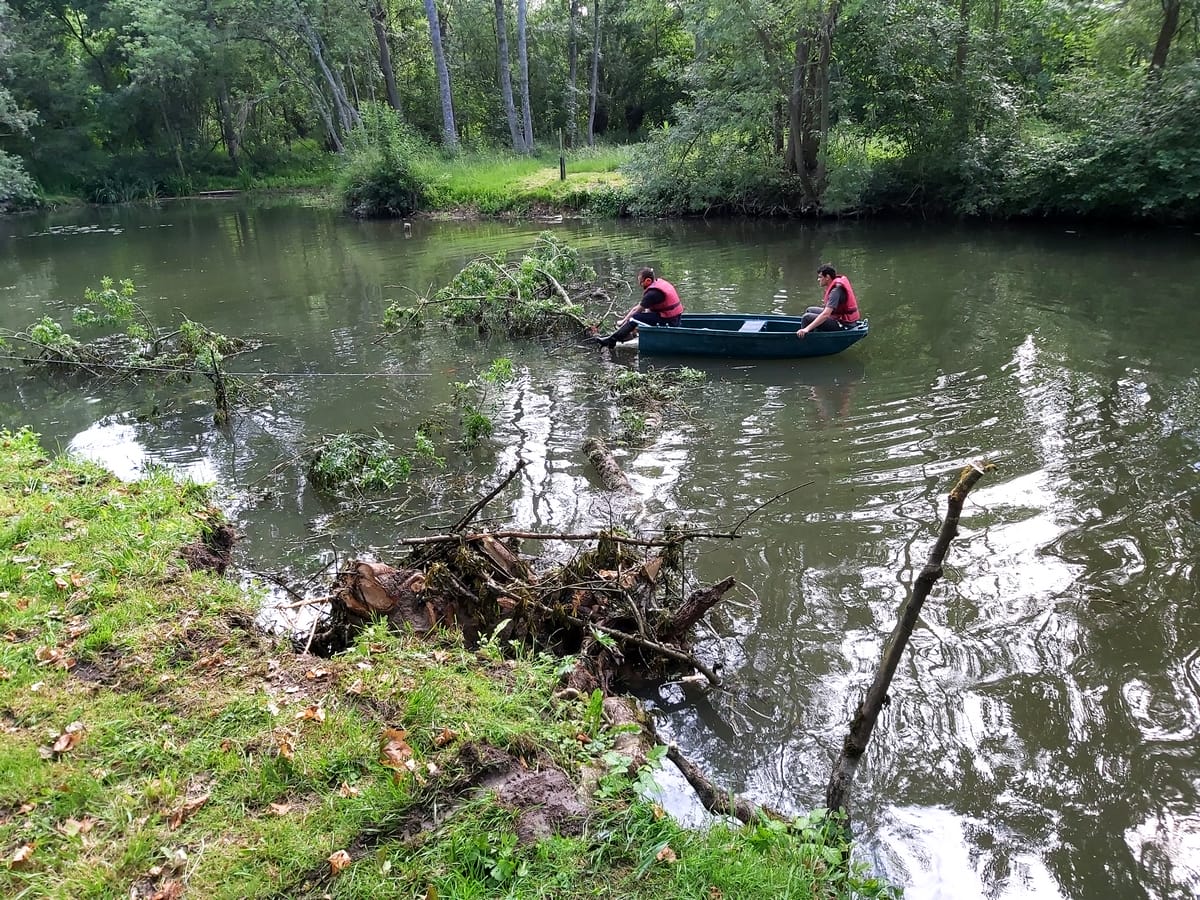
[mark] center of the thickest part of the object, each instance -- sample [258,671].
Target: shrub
[380,179]
[17,189]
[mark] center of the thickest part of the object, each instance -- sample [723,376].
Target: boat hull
[744,336]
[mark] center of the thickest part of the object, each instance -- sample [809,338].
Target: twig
[586,536]
[760,506]
[641,642]
[470,514]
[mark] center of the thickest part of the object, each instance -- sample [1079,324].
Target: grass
[156,744]
[491,183]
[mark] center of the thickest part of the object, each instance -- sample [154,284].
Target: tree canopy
[1025,107]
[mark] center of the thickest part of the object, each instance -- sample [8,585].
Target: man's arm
[837,297]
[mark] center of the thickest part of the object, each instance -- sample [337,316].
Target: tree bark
[347,115]
[449,129]
[379,22]
[523,71]
[602,459]
[1166,34]
[504,73]
[572,98]
[855,744]
[809,102]
[693,609]
[594,89]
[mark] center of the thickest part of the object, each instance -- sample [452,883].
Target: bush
[17,189]
[380,180]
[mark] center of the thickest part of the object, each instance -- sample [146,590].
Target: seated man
[660,305]
[840,308]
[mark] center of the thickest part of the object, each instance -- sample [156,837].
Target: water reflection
[1042,733]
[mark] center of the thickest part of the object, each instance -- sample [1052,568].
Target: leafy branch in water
[541,293]
[357,464]
[644,397]
[477,400]
[133,345]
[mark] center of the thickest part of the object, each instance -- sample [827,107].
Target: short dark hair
[646,273]
[827,269]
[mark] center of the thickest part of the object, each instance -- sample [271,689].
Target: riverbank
[158,744]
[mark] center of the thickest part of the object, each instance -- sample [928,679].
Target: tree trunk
[962,41]
[809,102]
[594,89]
[602,459]
[1166,34]
[523,62]
[379,21]
[449,130]
[572,97]
[504,71]
[855,745]
[229,132]
[347,115]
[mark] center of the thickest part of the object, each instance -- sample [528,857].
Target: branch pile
[615,605]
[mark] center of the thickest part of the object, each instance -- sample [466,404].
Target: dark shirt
[653,298]
[837,298]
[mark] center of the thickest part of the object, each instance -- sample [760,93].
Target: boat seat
[753,325]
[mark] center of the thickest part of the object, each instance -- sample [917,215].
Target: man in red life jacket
[840,307]
[660,305]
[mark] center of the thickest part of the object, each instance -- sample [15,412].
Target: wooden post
[855,744]
[562,158]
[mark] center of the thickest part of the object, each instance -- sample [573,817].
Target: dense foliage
[926,106]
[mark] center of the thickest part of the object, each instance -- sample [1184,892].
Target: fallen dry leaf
[27,807]
[36,686]
[52,656]
[280,809]
[441,657]
[395,750]
[184,812]
[21,856]
[314,674]
[444,737]
[317,713]
[338,861]
[348,790]
[171,890]
[356,688]
[666,854]
[73,827]
[286,750]
[5,674]
[69,739]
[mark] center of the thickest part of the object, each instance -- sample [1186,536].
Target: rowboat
[744,336]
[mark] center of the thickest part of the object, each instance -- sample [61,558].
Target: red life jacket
[671,306]
[849,310]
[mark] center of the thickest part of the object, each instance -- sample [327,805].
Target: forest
[1001,109]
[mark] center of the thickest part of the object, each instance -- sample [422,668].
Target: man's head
[826,274]
[646,277]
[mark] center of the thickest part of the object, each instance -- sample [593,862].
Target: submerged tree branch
[855,744]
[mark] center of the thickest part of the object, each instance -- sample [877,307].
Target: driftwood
[721,803]
[855,744]
[602,459]
[694,607]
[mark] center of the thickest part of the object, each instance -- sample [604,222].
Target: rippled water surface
[1041,739]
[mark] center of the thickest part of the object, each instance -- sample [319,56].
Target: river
[1041,740]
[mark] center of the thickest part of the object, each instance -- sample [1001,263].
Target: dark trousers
[643,318]
[810,316]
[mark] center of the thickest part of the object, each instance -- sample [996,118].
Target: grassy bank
[157,744]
